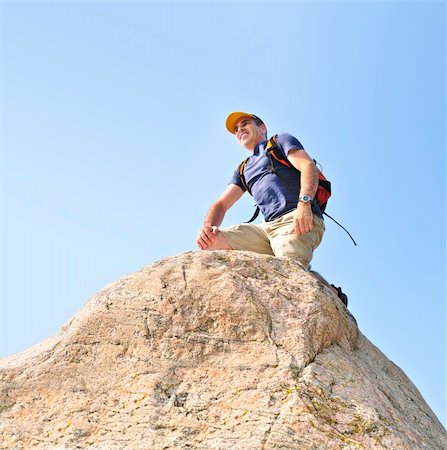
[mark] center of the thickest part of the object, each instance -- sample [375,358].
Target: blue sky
[113,146]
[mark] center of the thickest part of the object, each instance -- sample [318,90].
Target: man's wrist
[305,199]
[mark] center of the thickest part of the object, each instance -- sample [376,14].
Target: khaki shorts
[272,238]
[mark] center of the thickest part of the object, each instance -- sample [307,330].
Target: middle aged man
[293,225]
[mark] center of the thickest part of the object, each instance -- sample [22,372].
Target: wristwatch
[305,199]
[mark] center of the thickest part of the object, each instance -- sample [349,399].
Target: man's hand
[302,219]
[206,236]
[209,237]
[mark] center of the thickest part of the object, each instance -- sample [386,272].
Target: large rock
[212,350]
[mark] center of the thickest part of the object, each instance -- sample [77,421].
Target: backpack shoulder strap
[241,174]
[242,178]
[272,142]
[274,150]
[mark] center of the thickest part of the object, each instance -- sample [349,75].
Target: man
[293,225]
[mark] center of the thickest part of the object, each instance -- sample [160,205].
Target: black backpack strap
[274,150]
[242,178]
[256,214]
[341,226]
[241,175]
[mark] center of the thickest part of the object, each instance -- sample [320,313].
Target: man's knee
[294,247]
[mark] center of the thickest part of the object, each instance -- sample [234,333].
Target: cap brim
[234,117]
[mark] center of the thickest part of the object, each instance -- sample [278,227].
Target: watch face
[305,198]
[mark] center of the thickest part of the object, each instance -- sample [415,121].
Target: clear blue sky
[113,146]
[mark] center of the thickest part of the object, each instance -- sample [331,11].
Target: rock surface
[212,350]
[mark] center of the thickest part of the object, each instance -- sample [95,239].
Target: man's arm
[303,219]
[216,214]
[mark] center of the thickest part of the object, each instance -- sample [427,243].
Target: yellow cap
[235,116]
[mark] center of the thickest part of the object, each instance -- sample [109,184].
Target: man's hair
[259,122]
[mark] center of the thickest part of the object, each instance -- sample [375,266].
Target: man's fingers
[298,227]
[306,226]
[206,237]
[302,226]
[310,223]
[202,244]
[203,239]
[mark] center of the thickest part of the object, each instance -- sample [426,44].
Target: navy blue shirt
[275,195]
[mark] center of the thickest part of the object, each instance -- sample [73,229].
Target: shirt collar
[257,150]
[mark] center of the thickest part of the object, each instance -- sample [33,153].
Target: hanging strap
[341,226]
[255,215]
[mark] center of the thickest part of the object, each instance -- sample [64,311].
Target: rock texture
[212,350]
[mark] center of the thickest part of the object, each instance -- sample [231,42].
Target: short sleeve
[288,142]
[236,179]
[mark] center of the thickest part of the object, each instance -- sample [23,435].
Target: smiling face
[248,133]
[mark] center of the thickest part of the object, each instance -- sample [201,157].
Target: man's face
[248,133]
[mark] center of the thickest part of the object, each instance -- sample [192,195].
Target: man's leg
[246,236]
[289,245]
[300,248]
